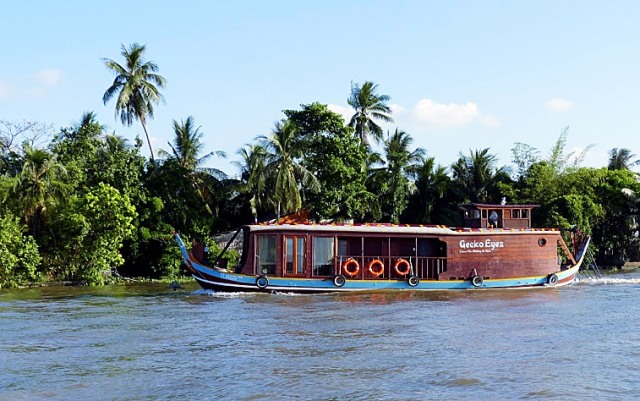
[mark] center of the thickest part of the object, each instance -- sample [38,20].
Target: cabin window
[484,213]
[515,213]
[295,251]
[525,213]
[266,254]
[350,247]
[323,256]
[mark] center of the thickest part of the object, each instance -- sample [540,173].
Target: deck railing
[425,267]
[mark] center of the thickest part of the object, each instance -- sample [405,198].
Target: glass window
[323,256]
[294,248]
[515,213]
[266,254]
[525,213]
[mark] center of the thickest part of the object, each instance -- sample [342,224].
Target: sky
[462,74]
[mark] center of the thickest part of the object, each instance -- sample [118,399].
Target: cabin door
[294,250]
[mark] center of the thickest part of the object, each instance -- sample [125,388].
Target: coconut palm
[289,175]
[39,185]
[136,86]
[253,180]
[476,175]
[431,183]
[185,153]
[401,164]
[187,146]
[621,159]
[369,106]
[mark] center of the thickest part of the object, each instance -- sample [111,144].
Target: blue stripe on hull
[222,281]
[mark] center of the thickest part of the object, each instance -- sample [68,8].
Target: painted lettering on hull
[475,246]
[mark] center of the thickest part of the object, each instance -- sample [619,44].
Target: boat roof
[386,228]
[496,206]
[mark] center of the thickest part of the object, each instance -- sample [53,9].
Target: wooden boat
[498,249]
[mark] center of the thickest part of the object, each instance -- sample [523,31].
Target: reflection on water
[147,342]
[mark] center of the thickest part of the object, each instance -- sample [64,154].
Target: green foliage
[476,177]
[337,159]
[136,87]
[19,257]
[369,106]
[88,234]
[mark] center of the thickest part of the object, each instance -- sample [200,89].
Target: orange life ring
[402,267]
[373,264]
[350,267]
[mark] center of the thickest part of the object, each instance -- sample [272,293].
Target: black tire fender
[262,282]
[339,280]
[477,281]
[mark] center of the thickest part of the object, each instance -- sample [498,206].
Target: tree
[185,153]
[477,176]
[369,106]
[402,163]
[429,203]
[335,156]
[137,87]
[19,257]
[39,185]
[621,159]
[288,174]
[88,232]
[253,180]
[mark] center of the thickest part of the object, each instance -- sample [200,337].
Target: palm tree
[38,185]
[253,180]
[185,153]
[401,164]
[477,175]
[289,175]
[137,88]
[621,159]
[369,106]
[431,183]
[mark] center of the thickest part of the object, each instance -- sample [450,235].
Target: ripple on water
[578,342]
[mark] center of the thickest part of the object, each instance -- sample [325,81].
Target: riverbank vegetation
[85,205]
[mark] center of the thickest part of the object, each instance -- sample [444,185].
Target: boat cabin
[481,215]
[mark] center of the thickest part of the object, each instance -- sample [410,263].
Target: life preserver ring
[413,280]
[477,281]
[339,280]
[351,267]
[373,264]
[402,267]
[552,279]
[262,282]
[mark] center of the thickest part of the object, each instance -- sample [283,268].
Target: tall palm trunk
[146,134]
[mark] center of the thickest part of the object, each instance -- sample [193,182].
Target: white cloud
[451,114]
[558,105]
[48,77]
[346,112]
[396,109]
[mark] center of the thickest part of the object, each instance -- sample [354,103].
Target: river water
[147,342]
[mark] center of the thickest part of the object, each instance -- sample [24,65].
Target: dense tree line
[86,206]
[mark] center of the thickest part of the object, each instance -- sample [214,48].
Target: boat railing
[369,267]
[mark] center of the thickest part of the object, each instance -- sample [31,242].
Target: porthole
[542,242]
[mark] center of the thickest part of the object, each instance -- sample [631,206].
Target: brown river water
[147,342]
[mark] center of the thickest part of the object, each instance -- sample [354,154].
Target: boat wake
[211,293]
[612,280]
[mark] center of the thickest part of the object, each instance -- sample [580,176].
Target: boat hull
[216,279]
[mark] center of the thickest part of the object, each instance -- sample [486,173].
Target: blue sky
[461,74]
